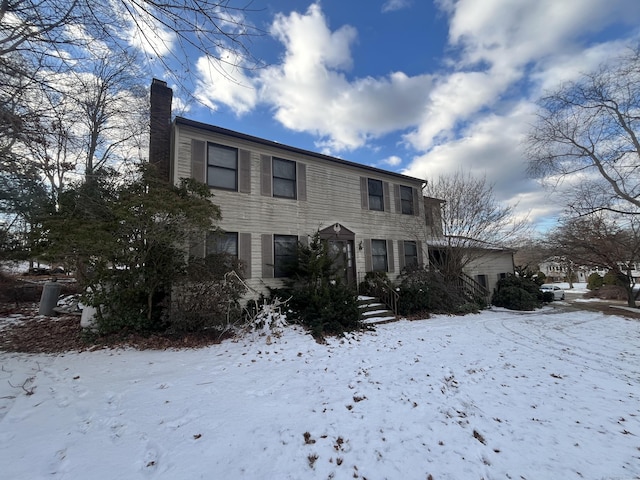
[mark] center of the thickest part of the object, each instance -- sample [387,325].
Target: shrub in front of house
[424,291]
[415,292]
[208,299]
[608,292]
[329,309]
[318,299]
[517,293]
[595,281]
[613,277]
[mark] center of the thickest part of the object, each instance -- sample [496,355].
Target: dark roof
[269,143]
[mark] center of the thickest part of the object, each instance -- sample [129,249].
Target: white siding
[493,264]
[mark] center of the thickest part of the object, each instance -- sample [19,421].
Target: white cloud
[457,97]
[392,161]
[491,147]
[513,33]
[310,91]
[143,30]
[225,83]
[393,5]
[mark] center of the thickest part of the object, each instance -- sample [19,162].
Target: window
[376,197]
[222,243]
[406,198]
[222,167]
[284,254]
[284,178]
[410,254]
[428,216]
[379,255]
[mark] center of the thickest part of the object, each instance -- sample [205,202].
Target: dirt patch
[26,331]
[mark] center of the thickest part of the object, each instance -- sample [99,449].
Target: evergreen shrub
[595,281]
[424,291]
[517,293]
[318,298]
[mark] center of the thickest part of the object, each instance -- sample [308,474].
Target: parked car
[558,293]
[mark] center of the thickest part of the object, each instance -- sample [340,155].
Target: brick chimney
[160,128]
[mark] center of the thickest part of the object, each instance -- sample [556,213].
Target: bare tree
[62,31]
[474,223]
[92,120]
[530,254]
[586,138]
[112,104]
[602,240]
[42,39]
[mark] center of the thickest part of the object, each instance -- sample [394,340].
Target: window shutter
[198,160]
[301,170]
[368,261]
[244,252]
[244,182]
[265,176]
[397,200]
[364,193]
[267,255]
[196,246]
[416,202]
[419,248]
[303,240]
[390,262]
[401,263]
[385,193]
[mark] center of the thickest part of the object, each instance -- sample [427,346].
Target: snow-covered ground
[498,395]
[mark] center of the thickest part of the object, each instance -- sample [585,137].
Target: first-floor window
[226,242]
[284,254]
[410,254]
[379,255]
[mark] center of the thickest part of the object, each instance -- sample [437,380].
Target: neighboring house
[557,271]
[272,196]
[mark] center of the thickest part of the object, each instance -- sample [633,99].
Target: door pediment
[337,231]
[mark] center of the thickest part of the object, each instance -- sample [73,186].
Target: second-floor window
[406,199]
[222,167]
[379,260]
[284,178]
[376,195]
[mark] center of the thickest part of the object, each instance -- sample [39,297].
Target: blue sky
[414,86]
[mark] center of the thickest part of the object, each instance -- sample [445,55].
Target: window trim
[374,256]
[415,246]
[293,180]
[217,237]
[370,195]
[219,167]
[404,189]
[277,258]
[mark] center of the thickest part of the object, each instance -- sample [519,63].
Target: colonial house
[273,195]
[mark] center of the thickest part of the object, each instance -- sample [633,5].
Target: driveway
[576,301]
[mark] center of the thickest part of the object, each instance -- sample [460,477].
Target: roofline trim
[243,136]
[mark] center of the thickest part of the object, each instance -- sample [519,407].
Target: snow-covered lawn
[503,395]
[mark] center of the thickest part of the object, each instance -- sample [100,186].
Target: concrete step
[373,312]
